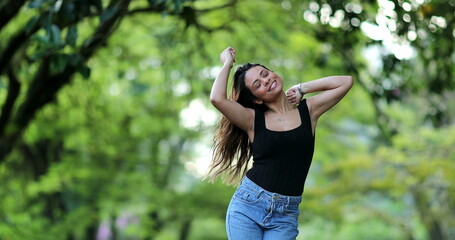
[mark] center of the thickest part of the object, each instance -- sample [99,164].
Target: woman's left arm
[332,89]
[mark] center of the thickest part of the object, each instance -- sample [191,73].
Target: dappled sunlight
[197,115]
[200,162]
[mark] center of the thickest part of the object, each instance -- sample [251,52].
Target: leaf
[66,14]
[41,39]
[35,4]
[84,71]
[59,62]
[69,12]
[177,5]
[38,54]
[97,4]
[56,6]
[71,36]
[31,24]
[156,2]
[54,35]
[43,49]
[75,60]
[46,21]
[109,13]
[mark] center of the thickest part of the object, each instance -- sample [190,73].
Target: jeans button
[275,197]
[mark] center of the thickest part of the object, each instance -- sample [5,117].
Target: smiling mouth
[273,85]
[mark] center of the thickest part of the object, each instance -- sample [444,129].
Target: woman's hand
[228,56]
[294,95]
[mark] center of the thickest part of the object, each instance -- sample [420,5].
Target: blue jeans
[255,213]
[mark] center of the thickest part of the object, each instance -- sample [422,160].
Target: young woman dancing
[277,129]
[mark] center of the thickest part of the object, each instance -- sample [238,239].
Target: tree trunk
[185,229]
[430,221]
[44,87]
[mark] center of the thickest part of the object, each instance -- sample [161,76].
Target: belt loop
[258,193]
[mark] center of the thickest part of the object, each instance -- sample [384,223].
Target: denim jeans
[255,213]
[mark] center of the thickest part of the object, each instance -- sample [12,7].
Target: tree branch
[104,31]
[160,8]
[145,10]
[36,94]
[13,93]
[226,5]
[9,10]
[44,88]
[22,36]
[14,44]
[214,29]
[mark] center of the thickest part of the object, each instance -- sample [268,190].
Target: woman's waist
[269,195]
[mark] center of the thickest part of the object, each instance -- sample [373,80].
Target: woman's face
[263,83]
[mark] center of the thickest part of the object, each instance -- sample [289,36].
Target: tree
[394,91]
[80,153]
[39,61]
[49,43]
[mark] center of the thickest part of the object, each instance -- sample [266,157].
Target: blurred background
[106,125]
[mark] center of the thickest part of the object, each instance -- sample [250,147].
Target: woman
[263,121]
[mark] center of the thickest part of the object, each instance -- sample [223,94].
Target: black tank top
[281,159]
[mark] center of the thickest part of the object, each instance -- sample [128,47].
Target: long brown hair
[231,142]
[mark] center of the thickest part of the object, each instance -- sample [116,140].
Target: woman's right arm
[240,116]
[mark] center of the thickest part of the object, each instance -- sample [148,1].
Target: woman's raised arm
[332,89]
[240,116]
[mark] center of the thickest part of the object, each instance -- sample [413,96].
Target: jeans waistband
[262,193]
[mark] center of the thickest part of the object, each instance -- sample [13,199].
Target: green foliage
[104,129]
[393,183]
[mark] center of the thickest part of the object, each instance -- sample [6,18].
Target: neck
[281,105]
